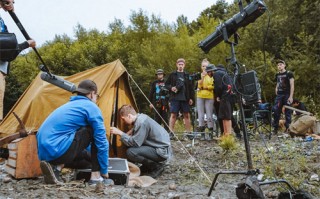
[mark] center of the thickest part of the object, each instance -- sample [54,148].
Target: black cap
[210,67]
[86,86]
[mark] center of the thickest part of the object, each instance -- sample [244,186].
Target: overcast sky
[43,19]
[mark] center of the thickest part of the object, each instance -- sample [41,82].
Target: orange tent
[41,98]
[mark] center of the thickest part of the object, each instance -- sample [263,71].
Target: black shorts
[225,110]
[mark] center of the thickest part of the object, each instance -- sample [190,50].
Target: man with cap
[284,95]
[181,95]
[66,134]
[205,97]
[223,102]
[159,97]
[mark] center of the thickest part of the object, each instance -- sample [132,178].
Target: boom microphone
[58,81]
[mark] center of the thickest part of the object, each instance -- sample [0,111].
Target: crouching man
[148,142]
[65,135]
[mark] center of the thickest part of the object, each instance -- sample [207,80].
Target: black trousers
[77,157]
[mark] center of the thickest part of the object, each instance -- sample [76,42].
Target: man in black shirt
[284,91]
[181,95]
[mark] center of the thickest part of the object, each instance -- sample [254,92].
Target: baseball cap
[211,67]
[86,86]
[160,71]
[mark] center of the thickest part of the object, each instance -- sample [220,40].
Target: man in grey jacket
[148,142]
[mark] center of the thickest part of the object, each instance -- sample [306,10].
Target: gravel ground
[191,170]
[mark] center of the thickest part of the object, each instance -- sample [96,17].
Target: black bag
[8,46]
[250,189]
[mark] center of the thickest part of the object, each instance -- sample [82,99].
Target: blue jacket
[57,132]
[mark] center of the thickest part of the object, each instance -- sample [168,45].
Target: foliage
[227,143]
[148,43]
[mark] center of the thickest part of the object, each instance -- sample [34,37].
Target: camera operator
[205,96]
[181,94]
[159,97]
[7,5]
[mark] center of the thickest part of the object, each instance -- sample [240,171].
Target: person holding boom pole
[7,5]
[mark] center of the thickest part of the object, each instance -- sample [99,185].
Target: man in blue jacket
[67,132]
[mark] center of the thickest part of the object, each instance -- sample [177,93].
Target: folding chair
[262,119]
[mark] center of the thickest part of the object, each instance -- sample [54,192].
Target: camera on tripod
[195,76]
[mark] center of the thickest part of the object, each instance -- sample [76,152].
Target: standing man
[67,132]
[7,5]
[284,91]
[148,142]
[181,95]
[159,98]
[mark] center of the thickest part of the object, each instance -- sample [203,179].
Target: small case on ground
[118,172]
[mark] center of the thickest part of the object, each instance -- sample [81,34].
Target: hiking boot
[157,171]
[105,181]
[50,173]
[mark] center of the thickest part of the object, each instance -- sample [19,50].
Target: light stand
[237,76]
[250,172]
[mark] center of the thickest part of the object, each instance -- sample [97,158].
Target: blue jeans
[277,109]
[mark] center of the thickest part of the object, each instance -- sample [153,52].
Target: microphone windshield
[58,81]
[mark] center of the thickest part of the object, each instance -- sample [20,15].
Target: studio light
[246,16]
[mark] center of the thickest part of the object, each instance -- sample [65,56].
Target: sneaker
[105,181]
[50,173]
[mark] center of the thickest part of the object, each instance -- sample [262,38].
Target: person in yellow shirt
[205,97]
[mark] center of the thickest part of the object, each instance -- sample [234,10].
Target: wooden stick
[298,110]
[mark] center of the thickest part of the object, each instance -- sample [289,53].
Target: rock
[7,179]
[314,177]
[99,187]
[172,186]
[260,177]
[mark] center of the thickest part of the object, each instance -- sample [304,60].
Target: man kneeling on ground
[65,135]
[148,142]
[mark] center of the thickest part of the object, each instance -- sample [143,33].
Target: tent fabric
[41,98]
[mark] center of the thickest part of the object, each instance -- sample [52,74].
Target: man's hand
[115,131]
[32,43]
[190,102]
[290,100]
[151,106]
[105,175]
[7,5]
[174,89]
